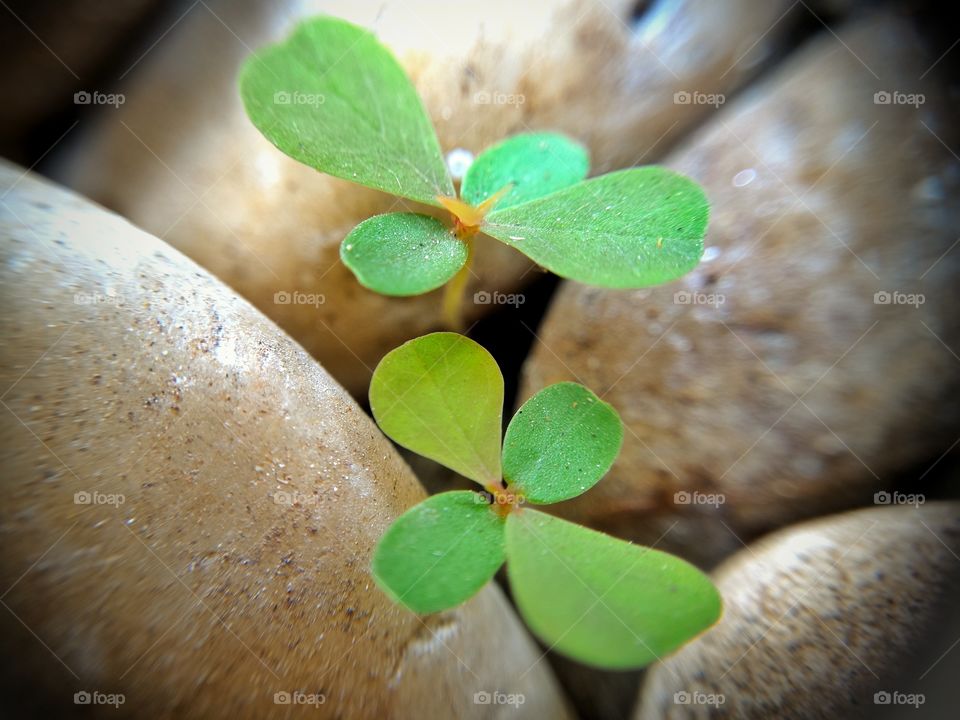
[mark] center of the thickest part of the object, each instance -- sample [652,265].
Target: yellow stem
[452,310]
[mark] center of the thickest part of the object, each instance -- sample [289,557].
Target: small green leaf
[603,601]
[402,253]
[627,229]
[537,164]
[334,98]
[560,443]
[441,395]
[440,552]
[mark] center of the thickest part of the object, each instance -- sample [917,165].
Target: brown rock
[818,618]
[181,159]
[191,502]
[770,376]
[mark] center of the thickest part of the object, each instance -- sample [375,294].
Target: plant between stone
[334,98]
[597,599]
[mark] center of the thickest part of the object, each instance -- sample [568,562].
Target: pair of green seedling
[334,98]
[592,597]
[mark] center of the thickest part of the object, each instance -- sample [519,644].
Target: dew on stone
[710,253]
[744,177]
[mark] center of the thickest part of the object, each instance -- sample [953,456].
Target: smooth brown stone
[254,489]
[798,395]
[818,618]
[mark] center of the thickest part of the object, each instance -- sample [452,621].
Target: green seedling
[594,598]
[332,97]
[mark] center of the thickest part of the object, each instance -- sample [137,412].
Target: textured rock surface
[818,617]
[770,375]
[181,160]
[253,489]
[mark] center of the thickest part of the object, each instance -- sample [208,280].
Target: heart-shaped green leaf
[627,229]
[441,395]
[535,164]
[334,98]
[440,552]
[603,601]
[560,443]
[402,253]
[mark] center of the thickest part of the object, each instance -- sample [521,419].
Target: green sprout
[332,97]
[594,598]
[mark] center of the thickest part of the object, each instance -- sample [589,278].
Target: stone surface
[818,618]
[191,502]
[181,160]
[770,375]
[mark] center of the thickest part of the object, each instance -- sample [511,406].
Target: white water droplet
[459,161]
[744,177]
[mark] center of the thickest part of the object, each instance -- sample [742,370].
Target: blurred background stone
[804,364]
[818,618]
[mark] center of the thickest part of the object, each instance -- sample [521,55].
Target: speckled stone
[818,617]
[253,490]
[769,377]
[181,159]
